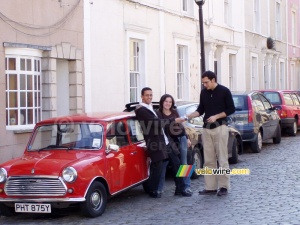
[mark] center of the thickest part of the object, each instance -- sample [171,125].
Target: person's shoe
[222,191]
[207,192]
[155,194]
[187,193]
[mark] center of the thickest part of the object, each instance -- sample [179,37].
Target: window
[281,76]
[184,5]
[278,21]
[256,16]
[23,91]
[135,131]
[296,100]
[266,103]
[116,134]
[180,71]
[135,79]
[187,7]
[254,71]
[288,99]
[294,29]
[273,97]
[257,103]
[232,59]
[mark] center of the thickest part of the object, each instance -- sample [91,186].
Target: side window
[116,134]
[135,131]
[265,101]
[296,100]
[288,99]
[257,103]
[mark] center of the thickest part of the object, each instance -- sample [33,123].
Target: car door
[261,115]
[297,105]
[118,161]
[272,115]
[138,155]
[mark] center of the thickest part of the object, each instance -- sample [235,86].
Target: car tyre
[234,152]
[277,138]
[6,211]
[256,146]
[197,160]
[96,199]
[293,129]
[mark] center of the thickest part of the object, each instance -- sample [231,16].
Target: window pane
[22,63]
[30,116]
[13,99]
[28,64]
[29,82]
[12,64]
[29,99]
[13,82]
[13,120]
[23,99]
[22,82]
[22,116]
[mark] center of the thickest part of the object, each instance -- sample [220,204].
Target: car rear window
[273,97]
[240,102]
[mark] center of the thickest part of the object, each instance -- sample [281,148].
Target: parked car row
[85,159]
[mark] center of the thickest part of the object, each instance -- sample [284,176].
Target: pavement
[269,195]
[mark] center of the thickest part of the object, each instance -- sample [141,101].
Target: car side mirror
[276,107]
[112,148]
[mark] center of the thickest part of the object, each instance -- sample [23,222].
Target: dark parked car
[256,119]
[194,130]
[288,105]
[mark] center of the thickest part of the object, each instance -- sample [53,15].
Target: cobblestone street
[269,195]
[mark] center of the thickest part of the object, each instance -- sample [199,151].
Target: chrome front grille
[35,186]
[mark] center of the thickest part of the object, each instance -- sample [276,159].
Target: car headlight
[3,175]
[69,174]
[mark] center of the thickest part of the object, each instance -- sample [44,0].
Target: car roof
[132,106]
[243,92]
[88,117]
[282,91]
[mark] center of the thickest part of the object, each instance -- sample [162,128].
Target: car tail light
[283,113]
[250,111]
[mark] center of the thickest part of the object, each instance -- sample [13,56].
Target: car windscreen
[67,136]
[240,102]
[273,97]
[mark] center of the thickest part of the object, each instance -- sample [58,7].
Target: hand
[211,119]
[179,120]
[189,143]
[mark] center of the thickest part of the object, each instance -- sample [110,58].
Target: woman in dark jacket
[176,135]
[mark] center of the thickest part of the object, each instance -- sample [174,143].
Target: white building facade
[131,44]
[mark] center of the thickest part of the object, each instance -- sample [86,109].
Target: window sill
[19,131]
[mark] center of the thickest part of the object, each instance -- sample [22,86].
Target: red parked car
[76,160]
[288,104]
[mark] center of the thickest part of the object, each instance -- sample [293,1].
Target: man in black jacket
[158,146]
[217,103]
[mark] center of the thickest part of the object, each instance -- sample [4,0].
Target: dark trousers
[175,164]
[155,174]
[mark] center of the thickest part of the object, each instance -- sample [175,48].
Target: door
[272,115]
[138,152]
[297,106]
[118,161]
[261,116]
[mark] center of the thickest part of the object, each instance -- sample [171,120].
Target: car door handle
[133,153]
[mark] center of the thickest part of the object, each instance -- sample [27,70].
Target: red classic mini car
[81,159]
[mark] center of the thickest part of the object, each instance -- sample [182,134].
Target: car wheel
[197,161]
[257,144]
[277,138]
[293,129]
[6,211]
[234,152]
[96,199]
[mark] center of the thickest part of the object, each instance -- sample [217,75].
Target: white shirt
[150,107]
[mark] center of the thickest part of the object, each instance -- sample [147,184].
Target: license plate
[32,208]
